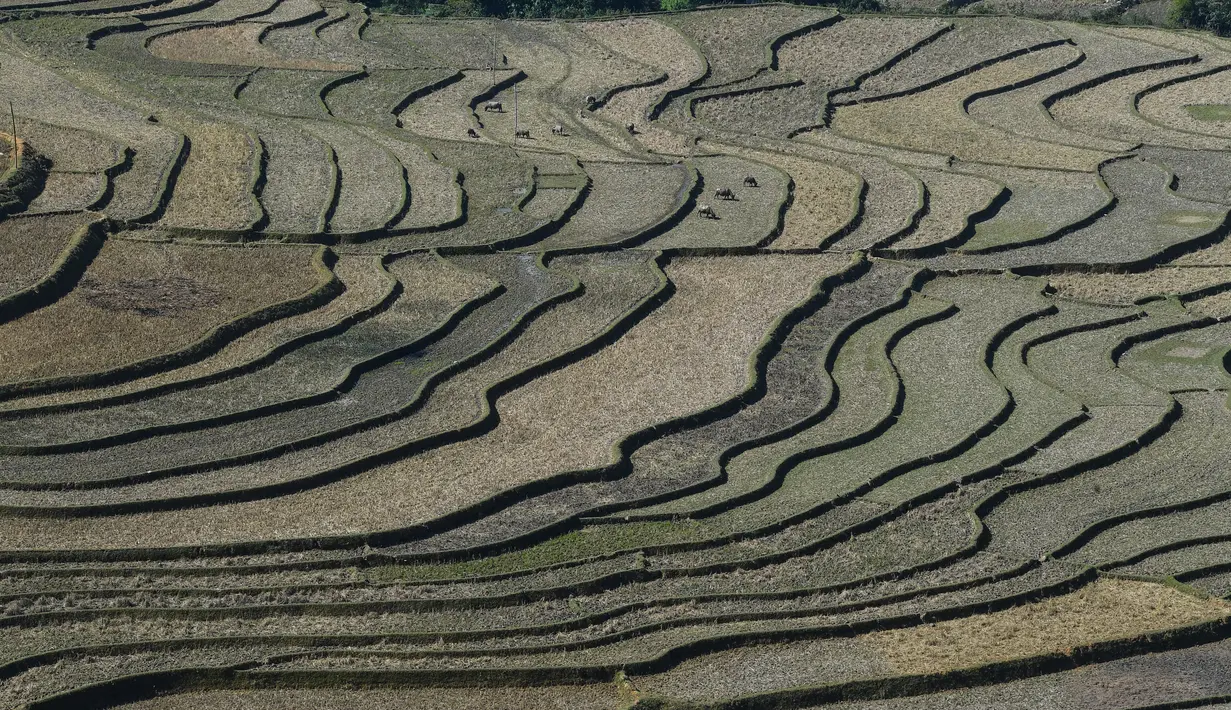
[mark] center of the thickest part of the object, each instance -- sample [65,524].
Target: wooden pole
[13,116]
[13,161]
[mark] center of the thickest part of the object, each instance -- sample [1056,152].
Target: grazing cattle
[472,133]
[494,106]
[632,129]
[591,100]
[558,130]
[724,193]
[750,181]
[707,212]
[524,133]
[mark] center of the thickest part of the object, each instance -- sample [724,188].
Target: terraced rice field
[794,360]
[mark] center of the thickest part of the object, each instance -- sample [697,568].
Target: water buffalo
[750,181]
[472,133]
[707,212]
[724,193]
[632,129]
[494,106]
[558,130]
[523,133]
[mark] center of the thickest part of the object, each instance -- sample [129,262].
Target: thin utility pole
[13,119]
[515,125]
[13,116]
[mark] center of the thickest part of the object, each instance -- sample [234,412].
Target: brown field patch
[30,246]
[366,284]
[644,40]
[836,55]
[1129,288]
[236,44]
[460,42]
[435,196]
[547,203]
[71,150]
[594,67]
[51,98]
[214,188]
[624,198]
[446,113]
[735,39]
[357,468]
[300,178]
[1107,108]
[1216,306]
[223,11]
[1215,255]
[893,192]
[666,49]
[969,42]
[1041,202]
[1197,106]
[938,124]
[1105,610]
[68,192]
[141,299]
[668,365]
[747,220]
[1188,42]
[952,199]
[826,197]
[1020,111]
[591,697]
[372,189]
[546,98]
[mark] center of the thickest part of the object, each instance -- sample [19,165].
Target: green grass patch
[1188,218]
[1181,351]
[1004,231]
[1209,112]
[57,29]
[561,182]
[587,542]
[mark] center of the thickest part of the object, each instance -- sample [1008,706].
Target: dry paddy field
[794,360]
